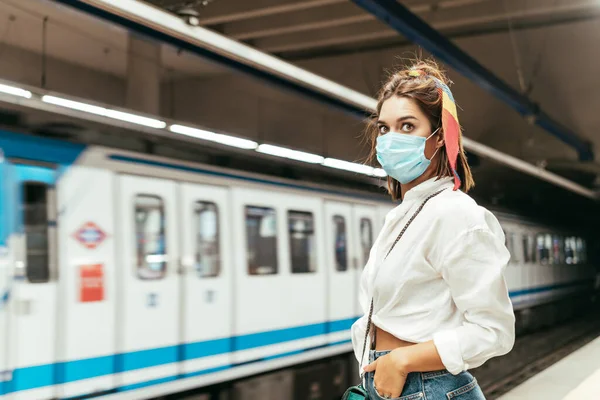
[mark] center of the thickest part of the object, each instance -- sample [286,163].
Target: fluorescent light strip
[289,153]
[75,105]
[214,137]
[135,119]
[105,112]
[348,166]
[15,91]
[379,172]
[276,150]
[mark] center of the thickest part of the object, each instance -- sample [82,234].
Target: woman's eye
[383,129]
[406,127]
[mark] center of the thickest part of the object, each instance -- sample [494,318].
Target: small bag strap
[388,253]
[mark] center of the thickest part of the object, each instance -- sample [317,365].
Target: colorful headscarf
[449,122]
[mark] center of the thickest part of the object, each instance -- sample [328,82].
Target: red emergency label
[91,283]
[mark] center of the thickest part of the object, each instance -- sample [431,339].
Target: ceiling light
[380,172]
[348,166]
[75,105]
[15,91]
[136,119]
[105,112]
[289,153]
[214,137]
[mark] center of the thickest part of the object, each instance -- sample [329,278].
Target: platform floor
[575,377]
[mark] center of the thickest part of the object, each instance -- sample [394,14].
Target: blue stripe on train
[546,288]
[70,371]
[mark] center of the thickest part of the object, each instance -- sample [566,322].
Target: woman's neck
[406,187]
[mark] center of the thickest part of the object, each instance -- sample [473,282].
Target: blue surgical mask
[402,156]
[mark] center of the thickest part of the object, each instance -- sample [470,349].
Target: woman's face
[403,115]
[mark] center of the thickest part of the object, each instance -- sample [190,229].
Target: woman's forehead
[398,107]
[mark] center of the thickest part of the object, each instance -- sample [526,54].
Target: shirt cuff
[448,347]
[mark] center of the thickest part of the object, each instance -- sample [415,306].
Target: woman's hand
[390,373]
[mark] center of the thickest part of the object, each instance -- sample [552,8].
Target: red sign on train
[91,283]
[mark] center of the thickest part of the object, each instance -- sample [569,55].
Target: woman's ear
[440,139]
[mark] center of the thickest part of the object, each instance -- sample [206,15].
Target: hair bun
[431,68]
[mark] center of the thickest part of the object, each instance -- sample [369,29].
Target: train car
[128,275]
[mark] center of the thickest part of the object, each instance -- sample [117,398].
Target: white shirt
[443,280]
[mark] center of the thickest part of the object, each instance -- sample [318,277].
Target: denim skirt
[435,385]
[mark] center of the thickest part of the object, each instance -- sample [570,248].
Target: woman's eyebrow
[404,118]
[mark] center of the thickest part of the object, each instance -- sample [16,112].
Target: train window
[510,244]
[581,251]
[150,237]
[557,250]
[543,250]
[208,255]
[366,239]
[35,219]
[514,247]
[341,243]
[261,240]
[570,250]
[528,249]
[549,248]
[302,242]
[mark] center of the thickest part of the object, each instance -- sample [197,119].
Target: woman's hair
[425,93]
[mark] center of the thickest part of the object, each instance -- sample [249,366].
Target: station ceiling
[542,48]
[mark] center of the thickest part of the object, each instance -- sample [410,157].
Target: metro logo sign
[90,235]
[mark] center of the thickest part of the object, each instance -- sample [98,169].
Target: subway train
[127,275]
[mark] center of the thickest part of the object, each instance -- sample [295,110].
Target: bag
[355,393]
[358,392]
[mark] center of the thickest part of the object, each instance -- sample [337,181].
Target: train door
[32,336]
[279,284]
[304,267]
[341,262]
[148,311]
[364,219]
[206,284]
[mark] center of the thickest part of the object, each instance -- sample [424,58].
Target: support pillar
[143,75]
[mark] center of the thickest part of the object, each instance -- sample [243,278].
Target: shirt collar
[428,187]
[419,192]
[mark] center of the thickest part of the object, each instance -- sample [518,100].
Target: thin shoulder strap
[388,253]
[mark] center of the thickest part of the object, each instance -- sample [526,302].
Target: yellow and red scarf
[450,124]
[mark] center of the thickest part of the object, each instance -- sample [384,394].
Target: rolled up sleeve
[473,268]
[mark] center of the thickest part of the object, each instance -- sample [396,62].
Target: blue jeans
[435,385]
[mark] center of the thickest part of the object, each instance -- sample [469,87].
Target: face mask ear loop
[434,153]
[434,132]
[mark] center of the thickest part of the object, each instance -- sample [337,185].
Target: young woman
[435,300]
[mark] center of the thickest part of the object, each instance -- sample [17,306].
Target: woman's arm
[421,357]
[474,271]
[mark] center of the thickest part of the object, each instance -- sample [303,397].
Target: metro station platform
[575,377]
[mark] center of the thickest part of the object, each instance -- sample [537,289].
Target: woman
[440,304]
